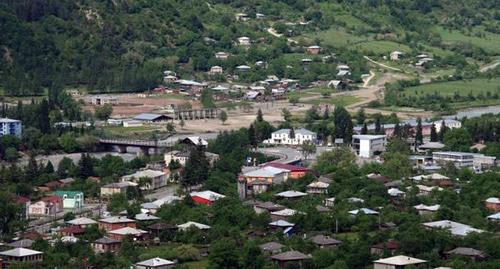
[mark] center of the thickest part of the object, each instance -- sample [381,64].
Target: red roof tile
[292,168]
[21,200]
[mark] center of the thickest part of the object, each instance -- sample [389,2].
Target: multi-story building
[73,200]
[158,178]
[10,127]
[287,137]
[368,145]
[464,159]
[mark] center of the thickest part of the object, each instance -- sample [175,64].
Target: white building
[282,137]
[397,262]
[396,55]
[368,145]
[464,159]
[244,41]
[10,127]
[155,263]
[158,178]
[452,124]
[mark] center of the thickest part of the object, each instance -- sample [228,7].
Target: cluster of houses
[52,205]
[422,60]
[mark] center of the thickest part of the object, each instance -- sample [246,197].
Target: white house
[282,137]
[448,123]
[244,41]
[221,55]
[396,55]
[158,178]
[368,145]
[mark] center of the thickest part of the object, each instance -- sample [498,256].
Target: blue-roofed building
[10,127]
[151,117]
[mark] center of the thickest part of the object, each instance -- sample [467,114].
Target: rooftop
[128,231]
[290,256]
[493,200]
[368,137]
[281,223]
[466,252]
[193,224]
[455,228]
[116,219]
[324,240]
[155,262]
[144,173]
[267,171]
[291,194]
[20,252]
[148,116]
[400,260]
[106,240]
[207,195]
[271,246]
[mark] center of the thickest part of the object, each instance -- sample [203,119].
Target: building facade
[10,127]
[368,145]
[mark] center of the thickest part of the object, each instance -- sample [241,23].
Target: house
[151,117]
[169,79]
[455,228]
[115,188]
[427,210]
[192,224]
[22,243]
[156,179]
[101,100]
[183,156]
[330,202]
[495,217]
[365,211]
[241,17]
[21,255]
[194,141]
[269,207]
[243,68]
[244,41]
[299,136]
[122,233]
[396,55]
[114,223]
[289,257]
[215,70]
[47,206]
[398,262]
[291,194]
[306,60]
[205,197]
[426,190]
[221,55]
[380,248]
[294,171]
[355,200]
[449,123]
[271,247]
[258,180]
[155,263]
[395,192]
[318,187]
[284,214]
[343,73]
[367,146]
[82,222]
[473,254]
[324,241]
[145,217]
[337,84]
[72,231]
[492,203]
[158,228]
[252,95]
[313,50]
[10,127]
[460,159]
[73,200]
[106,244]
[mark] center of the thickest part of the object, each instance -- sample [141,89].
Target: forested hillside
[123,45]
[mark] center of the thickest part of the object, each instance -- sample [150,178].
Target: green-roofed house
[71,199]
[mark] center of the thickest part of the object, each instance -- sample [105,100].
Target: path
[273,32]
[368,79]
[382,65]
[489,66]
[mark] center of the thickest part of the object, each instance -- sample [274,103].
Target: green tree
[9,216]
[68,143]
[442,131]
[419,138]
[260,116]
[457,139]
[224,254]
[343,127]
[308,148]
[103,112]
[434,135]
[196,168]
[286,114]
[85,166]
[361,116]
[223,116]
[11,154]
[294,100]
[207,99]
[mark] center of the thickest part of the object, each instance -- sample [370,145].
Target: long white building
[368,145]
[282,137]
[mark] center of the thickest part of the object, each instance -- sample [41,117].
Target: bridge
[144,145]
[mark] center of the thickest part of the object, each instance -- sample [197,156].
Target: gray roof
[301,131]
[271,246]
[466,252]
[106,240]
[324,240]
[155,262]
[23,243]
[7,120]
[148,116]
[290,256]
[20,252]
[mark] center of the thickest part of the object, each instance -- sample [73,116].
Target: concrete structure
[258,180]
[183,156]
[82,222]
[449,123]
[215,70]
[284,214]
[289,257]
[47,206]
[324,241]
[380,248]
[21,255]
[427,209]
[295,172]
[465,159]
[196,114]
[368,145]
[398,262]
[192,224]
[157,179]
[114,223]
[205,197]
[155,263]
[115,188]
[221,55]
[10,127]
[244,41]
[282,137]
[271,247]
[317,187]
[122,233]
[132,123]
[101,100]
[73,200]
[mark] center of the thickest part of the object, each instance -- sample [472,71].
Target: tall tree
[196,169]
[223,116]
[252,138]
[292,133]
[434,135]
[378,126]
[260,116]
[43,117]
[442,131]
[364,130]
[419,138]
[360,116]
[397,130]
[342,124]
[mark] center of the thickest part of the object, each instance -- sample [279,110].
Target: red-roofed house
[24,203]
[380,248]
[72,231]
[296,172]
[47,206]
[205,197]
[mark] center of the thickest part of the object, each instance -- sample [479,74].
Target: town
[275,134]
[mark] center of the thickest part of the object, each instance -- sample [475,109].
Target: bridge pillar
[122,149]
[143,151]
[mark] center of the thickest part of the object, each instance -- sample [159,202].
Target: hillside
[124,45]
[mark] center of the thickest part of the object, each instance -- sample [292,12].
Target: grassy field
[197,264]
[448,88]
[382,46]
[336,37]
[490,42]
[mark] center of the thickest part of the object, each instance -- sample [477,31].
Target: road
[489,66]
[285,154]
[162,192]
[383,65]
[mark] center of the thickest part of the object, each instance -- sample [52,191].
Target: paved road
[285,154]
[175,138]
[165,191]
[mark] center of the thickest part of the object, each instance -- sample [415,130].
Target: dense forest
[124,45]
